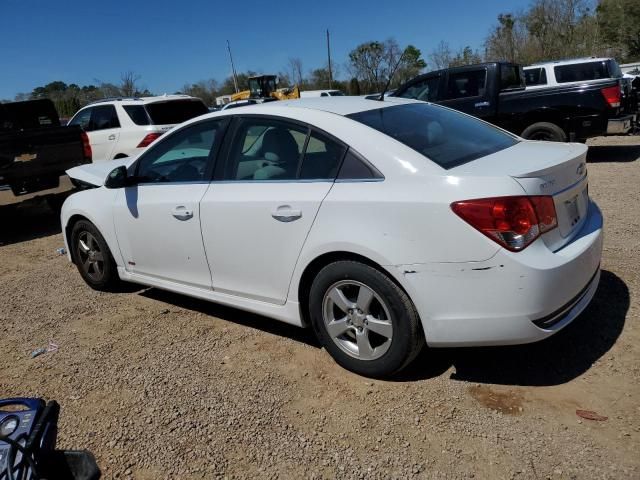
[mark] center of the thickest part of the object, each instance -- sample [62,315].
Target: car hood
[95,174]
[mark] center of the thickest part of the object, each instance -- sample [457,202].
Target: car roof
[570,61]
[142,100]
[339,105]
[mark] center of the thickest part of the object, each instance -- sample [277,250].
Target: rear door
[467,90]
[103,131]
[256,217]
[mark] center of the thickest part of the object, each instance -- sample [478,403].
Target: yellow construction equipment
[264,87]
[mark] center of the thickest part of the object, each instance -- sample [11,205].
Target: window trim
[212,159]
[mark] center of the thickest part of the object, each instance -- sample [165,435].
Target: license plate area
[573,212]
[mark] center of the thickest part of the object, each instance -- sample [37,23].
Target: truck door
[467,90]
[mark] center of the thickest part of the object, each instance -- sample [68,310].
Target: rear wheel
[544,131]
[363,319]
[93,257]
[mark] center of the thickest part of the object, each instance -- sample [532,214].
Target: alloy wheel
[91,256]
[357,320]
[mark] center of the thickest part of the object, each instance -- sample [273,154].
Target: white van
[321,93]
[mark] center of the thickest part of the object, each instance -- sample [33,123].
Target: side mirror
[119,178]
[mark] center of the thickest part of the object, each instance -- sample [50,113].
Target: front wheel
[93,257]
[364,320]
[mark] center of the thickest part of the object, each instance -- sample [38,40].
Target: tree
[619,23]
[206,90]
[295,67]
[441,56]
[228,87]
[373,63]
[466,56]
[129,84]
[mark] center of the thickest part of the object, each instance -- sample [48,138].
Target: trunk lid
[544,168]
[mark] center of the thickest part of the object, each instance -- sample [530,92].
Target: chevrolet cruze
[382,225]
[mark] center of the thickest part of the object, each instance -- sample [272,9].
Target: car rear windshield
[580,72]
[446,137]
[175,111]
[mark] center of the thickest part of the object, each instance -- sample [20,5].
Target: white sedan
[381,224]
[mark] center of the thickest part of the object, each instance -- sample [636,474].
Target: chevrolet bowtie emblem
[25,157]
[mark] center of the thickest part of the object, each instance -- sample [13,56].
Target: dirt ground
[158,385]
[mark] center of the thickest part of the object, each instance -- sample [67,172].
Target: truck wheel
[544,131]
[93,258]
[364,320]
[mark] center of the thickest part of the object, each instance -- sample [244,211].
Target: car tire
[92,257]
[544,131]
[364,320]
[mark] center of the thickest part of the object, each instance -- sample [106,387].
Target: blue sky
[170,43]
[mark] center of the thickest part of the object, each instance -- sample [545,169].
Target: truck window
[580,72]
[467,84]
[535,76]
[510,77]
[425,89]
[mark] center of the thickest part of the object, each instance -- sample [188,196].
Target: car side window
[185,156]
[322,158]
[355,167]
[82,119]
[535,76]
[104,117]
[466,84]
[425,90]
[265,149]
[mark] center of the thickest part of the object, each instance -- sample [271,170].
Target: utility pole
[329,58]
[233,69]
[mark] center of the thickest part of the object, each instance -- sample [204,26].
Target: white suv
[123,127]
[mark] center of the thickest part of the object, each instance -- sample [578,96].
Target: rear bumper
[621,125]
[7,197]
[513,298]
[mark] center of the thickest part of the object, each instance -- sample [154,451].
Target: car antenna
[393,72]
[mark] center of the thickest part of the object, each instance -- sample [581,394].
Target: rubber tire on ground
[110,280]
[544,131]
[408,338]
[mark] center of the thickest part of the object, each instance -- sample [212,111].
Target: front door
[158,220]
[256,218]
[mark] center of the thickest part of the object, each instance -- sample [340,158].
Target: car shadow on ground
[559,359]
[556,360]
[613,153]
[234,315]
[29,220]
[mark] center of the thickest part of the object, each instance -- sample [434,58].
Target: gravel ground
[158,385]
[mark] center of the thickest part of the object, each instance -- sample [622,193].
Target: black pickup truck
[496,92]
[35,150]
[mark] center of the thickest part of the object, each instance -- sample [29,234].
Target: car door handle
[286,214]
[482,104]
[112,137]
[182,213]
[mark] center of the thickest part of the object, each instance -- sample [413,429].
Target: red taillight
[612,95]
[513,222]
[86,146]
[148,139]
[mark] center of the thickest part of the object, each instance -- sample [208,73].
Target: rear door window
[425,89]
[580,72]
[535,76]
[175,111]
[471,83]
[104,117]
[444,136]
